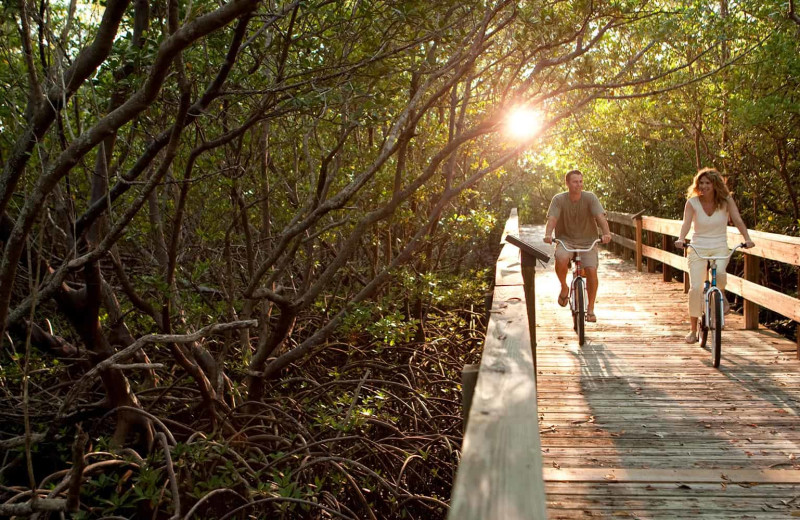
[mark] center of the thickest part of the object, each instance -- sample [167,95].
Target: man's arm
[603,223]
[600,217]
[548,230]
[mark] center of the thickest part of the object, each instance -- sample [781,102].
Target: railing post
[752,266]
[529,286]
[469,377]
[666,269]
[529,254]
[651,240]
[632,236]
[638,235]
[615,229]
[627,254]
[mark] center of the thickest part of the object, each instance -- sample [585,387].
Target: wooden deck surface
[638,424]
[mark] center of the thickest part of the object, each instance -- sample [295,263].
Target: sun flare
[523,123]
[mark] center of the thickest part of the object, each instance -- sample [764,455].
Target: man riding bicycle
[575,215]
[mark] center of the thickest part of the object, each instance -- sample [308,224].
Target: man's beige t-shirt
[576,225]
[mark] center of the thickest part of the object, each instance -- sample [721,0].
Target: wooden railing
[500,474]
[649,241]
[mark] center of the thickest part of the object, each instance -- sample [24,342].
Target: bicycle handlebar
[558,240]
[743,245]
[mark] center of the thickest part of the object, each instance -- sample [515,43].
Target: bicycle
[577,291]
[713,317]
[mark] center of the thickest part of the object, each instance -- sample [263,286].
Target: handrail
[500,473]
[780,248]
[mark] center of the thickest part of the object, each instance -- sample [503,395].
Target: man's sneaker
[691,337]
[726,306]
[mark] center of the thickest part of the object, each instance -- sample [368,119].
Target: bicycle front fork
[573,301]
[707,290]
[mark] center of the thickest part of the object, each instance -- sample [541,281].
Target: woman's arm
[733,211]
[688,216]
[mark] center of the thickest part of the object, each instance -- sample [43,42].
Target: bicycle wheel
[580,312]
[573,307]
[715,326]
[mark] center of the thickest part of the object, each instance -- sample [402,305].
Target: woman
[709,206]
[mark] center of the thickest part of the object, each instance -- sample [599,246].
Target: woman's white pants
[698,273]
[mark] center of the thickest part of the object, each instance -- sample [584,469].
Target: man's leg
[591,286]
[562,266]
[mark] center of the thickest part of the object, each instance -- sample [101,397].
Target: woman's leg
[697,275]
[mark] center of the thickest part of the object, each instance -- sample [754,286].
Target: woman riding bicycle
[708,208]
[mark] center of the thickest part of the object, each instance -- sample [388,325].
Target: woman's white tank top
[709,231]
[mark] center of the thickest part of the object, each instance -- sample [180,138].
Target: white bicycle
[577,290]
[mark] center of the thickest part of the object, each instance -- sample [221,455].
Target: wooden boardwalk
[638,424]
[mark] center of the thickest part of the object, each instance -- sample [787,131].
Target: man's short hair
[570,174]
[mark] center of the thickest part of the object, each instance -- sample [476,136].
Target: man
[575,215]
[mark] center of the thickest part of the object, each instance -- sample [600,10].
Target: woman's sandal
[590,317]
[563,299]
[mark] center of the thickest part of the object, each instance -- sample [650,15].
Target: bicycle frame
[578,267]
[707,290]
[577,303]
[710,285]
[713,318]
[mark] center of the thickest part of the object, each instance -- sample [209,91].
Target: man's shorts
[589,259]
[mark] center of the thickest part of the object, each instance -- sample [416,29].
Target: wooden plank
[499,476]
[635,488]
[511,226]
[623,241]
[661,225]
[678,510]
[783,304]
[706,476]
[509,268]
[671,259]
[772,246]
[629,253]
[625,219]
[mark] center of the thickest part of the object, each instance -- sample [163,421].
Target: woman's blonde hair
[721,192]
